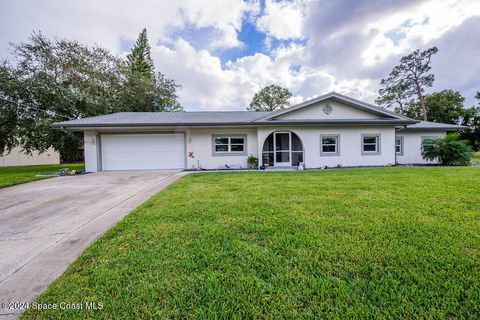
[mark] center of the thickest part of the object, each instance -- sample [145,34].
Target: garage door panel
[143,151]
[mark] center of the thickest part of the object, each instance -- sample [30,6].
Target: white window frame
[399,153]
[336,144]
[229,144]
[377,144]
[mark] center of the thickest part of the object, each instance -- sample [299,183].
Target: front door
[282,142]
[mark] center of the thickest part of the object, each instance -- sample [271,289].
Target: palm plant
[448,151]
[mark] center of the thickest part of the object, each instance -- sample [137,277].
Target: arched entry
[282,149]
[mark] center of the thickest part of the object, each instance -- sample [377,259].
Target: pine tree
[140,60]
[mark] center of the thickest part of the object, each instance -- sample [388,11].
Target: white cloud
[209,85]
[106,22]
[416,26]
[347,46]
[282,19]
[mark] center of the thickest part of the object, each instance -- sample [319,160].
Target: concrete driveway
[45,225]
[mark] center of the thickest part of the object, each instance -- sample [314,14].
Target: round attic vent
[327,109]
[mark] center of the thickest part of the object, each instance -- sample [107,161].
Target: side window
[329,145]
[427,142]
[399,146]
[371,144]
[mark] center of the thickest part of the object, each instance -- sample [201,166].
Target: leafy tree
[166,94]
[54,80]
[270,98]
[409,77]
[448,151]
[445,106]
[57,80]
[471,118]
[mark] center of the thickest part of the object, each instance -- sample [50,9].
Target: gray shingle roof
[208,118]
[425,125]
[164,118]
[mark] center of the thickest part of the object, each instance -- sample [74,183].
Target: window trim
[337,145]
[229,152]
[401,146]
[379,140]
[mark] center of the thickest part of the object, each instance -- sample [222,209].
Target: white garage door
[142,151]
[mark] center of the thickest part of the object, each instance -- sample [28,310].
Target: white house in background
[329,130]
[17,157]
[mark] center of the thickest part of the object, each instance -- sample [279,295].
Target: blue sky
[223,51]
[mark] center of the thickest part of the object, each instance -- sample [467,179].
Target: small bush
[252,161]
[448,151]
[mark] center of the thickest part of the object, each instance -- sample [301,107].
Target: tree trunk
[400,105]
[423,109]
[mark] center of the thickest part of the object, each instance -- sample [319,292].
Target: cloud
[282,20]
[310,46]
[108,23]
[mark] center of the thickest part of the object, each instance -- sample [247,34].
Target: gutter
[216,124]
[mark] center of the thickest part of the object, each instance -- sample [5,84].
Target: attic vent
[327,109]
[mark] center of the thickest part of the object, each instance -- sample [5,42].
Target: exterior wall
[199,141]
[18,158]
[339,111]
[412,142]
[350,145]
[91,149]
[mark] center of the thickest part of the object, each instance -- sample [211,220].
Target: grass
[10,176]
[351,243]
[476,157]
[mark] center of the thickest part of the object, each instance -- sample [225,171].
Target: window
[399,146]
[427,142]
[329,145]
[226,145]
[371,144]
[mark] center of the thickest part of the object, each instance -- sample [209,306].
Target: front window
[399,146]
[329,145]
[371,144]
[228,145]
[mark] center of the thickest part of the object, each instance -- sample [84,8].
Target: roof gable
[332,106]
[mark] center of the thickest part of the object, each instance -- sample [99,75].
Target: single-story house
[329,130]
[16,157]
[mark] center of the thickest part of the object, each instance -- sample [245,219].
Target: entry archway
[282,149]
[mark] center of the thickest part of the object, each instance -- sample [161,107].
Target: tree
[444,106]
[471,118]
[270,98]
[143,90]
[166,94]
[448,151]
[57,80]
[394,94]
[139,59]
[54,80]
[411,77]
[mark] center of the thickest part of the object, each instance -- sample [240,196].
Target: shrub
[448,150]
[252,161]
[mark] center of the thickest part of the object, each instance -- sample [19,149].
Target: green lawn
[10,176]
[476,156]
[349,243]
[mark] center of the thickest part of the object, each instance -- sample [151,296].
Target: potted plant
[252,162]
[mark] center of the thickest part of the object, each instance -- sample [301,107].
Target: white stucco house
[16,157]
[330,130]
